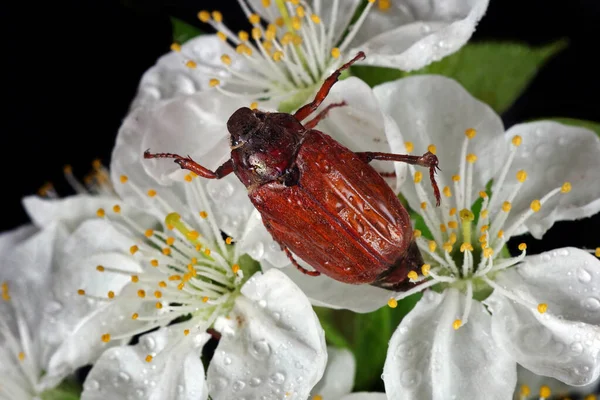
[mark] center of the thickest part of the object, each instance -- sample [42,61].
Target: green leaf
[494,72]
[182,31]
[591,125]
[67,390]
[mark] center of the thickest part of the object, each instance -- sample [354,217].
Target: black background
[70,70]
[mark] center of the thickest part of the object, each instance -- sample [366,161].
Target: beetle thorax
[263,145]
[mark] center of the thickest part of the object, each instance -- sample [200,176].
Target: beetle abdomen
[341,217]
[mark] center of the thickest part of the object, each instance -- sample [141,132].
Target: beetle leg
[309,108]
[428,160]
[313,122]
[295,263]
[191,165]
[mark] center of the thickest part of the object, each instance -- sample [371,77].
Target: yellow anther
[409,146]
[545,392]
[149,233]
[597,253]
[315,18]
[483,238]
[500,234]
[243,35]
[523,246]
[205,299]
[166,251]
[425,268]
[517,140]
[217,16]
[590,397]
[296,23]
[253,105]
[191,64]
[466,247]
[335,52]
[149,358]
[470,133]
[116,208]
[300,11]
[256,34]
[106,337]
[506,206]
[170,240]
[100,268]
[213,82]
[485,213]
[207,252]
[134,316]
[542,308]
[67,169]
[194,260]
[371,1]
[186,332]
[536,206]
[96,164]
[111,294]
[162,284]
[297,40]
[81,292]
[566,187]
[384,5]
[154,263]
[100,213]
[432,245]
[204,16]
[424,205]
[455,178]
[466,215]
[392,303]
[525,391]
[254,19]
[471,158]
[192,235]
[21,356]
[413,276]
[123,178]
[235,268]
[228,240]
[203,214]
[483,194]
[277,56]
[133,249]
[279,21]
[447,192]
[188,178]
[521,176]
[158,305]
[418,176]
[141,293]
[417,233]
[175,47]
[175,277]
[448,247]
[488,252]
[484,228]
[452,238]
[151,193]
[452,211]
[431,148]
[443,228]
[457,324]
[452,224]
[222,36]
[266,3]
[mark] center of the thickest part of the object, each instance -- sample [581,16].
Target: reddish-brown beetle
[318,199]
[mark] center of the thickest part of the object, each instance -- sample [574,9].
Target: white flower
[539,311]
[41,321]
[338,379]
[192,279]
[533,387]
[303,42]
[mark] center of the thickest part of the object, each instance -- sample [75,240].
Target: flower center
[465,247]
[186,275]
[283,60]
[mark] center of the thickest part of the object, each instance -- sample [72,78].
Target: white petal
[552,154]
[170,77]
[338,379]
[326,292]
[365,396]
[276,345]
[176,371]
[10,239]
[559,390]
[426,352]
[564,342]
[359,125]
[435,110]
[413,33]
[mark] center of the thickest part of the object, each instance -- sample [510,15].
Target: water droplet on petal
[410,378]
[238,385]
[92,384]
[149,343]
[260,350]
[227,361]
[257,251]
[278,378]
[254,382]
[591,304]
[576,347]
[583,275]
[124,376]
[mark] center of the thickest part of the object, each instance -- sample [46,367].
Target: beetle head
[242,124]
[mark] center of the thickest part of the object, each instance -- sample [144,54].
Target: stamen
[542,308]
[457,324]
[545,392]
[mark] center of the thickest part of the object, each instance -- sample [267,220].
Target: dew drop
[257,251]
[92,385]
[583,275]
[221,383]
[140,393]
[149,343]
[227,360]
[576,348]
[260,349]
[238,385]
[124,376]
[278,378]
[410,378]
[591,304]
[254,382]
[425,28]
